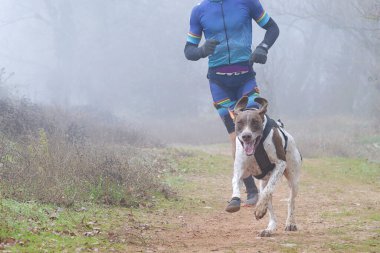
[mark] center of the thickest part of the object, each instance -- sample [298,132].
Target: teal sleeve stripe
[193,40]
[264,20]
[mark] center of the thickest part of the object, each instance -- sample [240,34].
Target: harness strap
[261,155]
[285,138]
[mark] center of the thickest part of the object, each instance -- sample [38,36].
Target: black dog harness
[261,155]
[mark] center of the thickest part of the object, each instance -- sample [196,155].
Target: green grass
[37,227]
[289,250]
[345,239]
[340,214]
[200,162]
[344,169]
[374,216]
[366,245]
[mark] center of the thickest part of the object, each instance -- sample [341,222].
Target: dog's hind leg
[290,221]
[292,174]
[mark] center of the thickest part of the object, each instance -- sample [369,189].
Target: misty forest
[110,141]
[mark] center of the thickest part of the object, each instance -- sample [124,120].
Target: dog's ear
[261,101]
[240,106]
[264,106]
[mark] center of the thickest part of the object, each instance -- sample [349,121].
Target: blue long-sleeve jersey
[230,23]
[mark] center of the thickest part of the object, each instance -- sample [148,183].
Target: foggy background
[126,57]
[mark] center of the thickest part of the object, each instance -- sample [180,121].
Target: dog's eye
[239,127]
[255,126]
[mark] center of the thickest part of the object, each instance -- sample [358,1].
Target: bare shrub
[62,157]
[20,118]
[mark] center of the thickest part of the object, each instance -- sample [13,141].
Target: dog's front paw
[265,233]
[261,210]
[291,227]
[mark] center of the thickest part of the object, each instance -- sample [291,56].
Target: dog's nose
[247,137]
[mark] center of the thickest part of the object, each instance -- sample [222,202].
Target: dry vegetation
[62,157]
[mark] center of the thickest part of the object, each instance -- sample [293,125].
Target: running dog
[266,151]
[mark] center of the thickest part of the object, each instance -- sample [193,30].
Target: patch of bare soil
[331,217]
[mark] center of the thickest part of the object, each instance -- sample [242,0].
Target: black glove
[259,55]
[208,47]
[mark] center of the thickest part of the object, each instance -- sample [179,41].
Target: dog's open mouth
[250,147]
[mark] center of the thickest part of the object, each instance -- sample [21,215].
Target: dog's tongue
[249,148]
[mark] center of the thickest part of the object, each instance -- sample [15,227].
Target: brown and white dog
[282,152]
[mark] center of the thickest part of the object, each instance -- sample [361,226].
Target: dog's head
[249,124]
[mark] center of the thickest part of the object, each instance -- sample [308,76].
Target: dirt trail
[331,217]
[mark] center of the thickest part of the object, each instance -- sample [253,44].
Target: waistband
[236,69]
